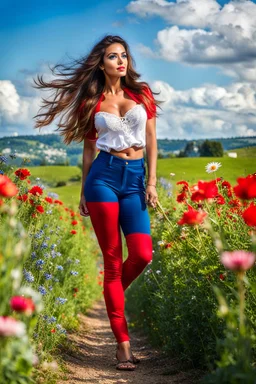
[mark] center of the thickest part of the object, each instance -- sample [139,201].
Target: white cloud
[214,35]
[20,102]
[206,112]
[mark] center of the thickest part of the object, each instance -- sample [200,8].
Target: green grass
[55,173]
[245,152]
[193,169]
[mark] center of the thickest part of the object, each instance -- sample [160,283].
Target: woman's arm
[89,153]
[151,153]
[151,150]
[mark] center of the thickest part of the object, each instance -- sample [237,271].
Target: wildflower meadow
[195,300]
[50,271]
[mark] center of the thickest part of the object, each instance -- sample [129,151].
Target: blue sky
[35,34]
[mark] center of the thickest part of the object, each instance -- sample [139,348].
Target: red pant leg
[105,220]
[140,250]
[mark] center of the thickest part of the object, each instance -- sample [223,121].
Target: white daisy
[212,167]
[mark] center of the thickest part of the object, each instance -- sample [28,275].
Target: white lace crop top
[118,133]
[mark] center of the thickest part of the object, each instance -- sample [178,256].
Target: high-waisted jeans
[115,197]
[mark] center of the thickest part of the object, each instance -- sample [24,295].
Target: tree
[211,149]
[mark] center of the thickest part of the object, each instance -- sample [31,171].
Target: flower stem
[241,292]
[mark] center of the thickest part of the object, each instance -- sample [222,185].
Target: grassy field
[245,152]
[189,169]
[193,169]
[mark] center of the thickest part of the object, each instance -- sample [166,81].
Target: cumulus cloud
[214,35]
[206,112]
[19,103]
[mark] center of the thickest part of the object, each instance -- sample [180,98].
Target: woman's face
[115,56]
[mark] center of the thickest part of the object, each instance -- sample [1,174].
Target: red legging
[115,197]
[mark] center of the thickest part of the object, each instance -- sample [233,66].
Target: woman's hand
[82,207]
[151,197]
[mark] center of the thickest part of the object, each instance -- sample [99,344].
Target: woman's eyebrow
[116,52]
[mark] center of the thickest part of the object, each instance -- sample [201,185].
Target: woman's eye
[125,56]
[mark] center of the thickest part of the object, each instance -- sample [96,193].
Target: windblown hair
[83,82]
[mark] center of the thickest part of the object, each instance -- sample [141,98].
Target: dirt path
[93,359]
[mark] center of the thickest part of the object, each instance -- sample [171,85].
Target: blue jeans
[114,191]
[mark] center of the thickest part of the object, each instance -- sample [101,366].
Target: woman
[115,115]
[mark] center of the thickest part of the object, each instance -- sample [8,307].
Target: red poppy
[22,173]
[48,199]
[235,203]
[181,197]
[74,222]
[36,190]
[73,232]
[249,215]
[206,190]
[7,187]
[23,197]
[192,217]
[246,188]
[222,277]
[185,185]
[40,209]
[58,202]
[220,199]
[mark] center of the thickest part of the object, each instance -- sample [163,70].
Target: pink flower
[11,327]
[238,260]
[22,304]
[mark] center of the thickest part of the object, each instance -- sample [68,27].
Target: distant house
[232,154]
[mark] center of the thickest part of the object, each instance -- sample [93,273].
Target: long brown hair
[83,81]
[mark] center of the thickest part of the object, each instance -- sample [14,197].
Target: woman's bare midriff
[132,153]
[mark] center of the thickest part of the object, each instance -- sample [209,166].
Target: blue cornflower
[33,255]
[44,245]
[39,234]
[28,276]
[58,254]
[60,268]
[47,238]
[42,290]
[46,225]
[61,329]
[3,159]
[61,300]
[39,263]
[48,276]
[54,254]
[74,273]
[52,319]
[77,261]
[53,246]
[52,230]
[50,287]
[1,172]
[53,195]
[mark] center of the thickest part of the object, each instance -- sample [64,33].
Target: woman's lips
[121,69]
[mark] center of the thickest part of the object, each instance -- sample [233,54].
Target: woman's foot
[123,355]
